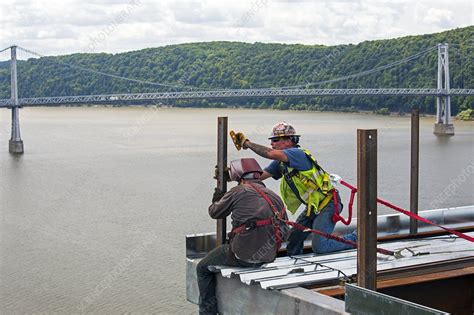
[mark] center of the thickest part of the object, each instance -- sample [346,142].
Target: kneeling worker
[256,234]
[303,181]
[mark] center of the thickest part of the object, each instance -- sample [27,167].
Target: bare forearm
[265,175]
[266,152]
[259,149]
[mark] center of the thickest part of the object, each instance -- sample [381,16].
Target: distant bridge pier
[443,125]
[15,145]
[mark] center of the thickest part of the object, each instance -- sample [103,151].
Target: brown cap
[247,168]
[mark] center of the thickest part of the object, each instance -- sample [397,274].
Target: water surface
[94,214]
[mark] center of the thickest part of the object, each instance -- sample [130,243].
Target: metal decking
[441,266]
[311,269]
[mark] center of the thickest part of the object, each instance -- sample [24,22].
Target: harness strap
[288,179]
[278,214]
[314,161]
[288,175]
[319,172]
[251,225]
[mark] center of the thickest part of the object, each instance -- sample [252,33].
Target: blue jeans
[321,222]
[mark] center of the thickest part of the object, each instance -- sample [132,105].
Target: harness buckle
[277,216]
[250,225]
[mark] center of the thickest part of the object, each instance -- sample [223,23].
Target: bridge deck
[223,94]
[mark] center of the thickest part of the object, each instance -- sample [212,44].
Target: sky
[72,26]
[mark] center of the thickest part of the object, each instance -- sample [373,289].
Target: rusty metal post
[221,168]
[367,208]
[414,170]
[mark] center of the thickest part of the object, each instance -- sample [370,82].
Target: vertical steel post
[221,169]
[15,145]
[414,169]
[367,208]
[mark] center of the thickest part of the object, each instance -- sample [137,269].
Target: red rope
[415,216]
[279,216]
[333,237]
[408,213]
[337,217]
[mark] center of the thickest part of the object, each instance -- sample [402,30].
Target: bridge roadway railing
[234,93]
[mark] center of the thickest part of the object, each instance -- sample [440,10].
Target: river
[95,213]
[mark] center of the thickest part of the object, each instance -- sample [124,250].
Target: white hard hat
[283,129]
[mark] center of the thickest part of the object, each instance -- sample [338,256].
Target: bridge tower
[15,144]
[443,125]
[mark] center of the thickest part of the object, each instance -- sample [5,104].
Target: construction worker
[304,182]
[256,235]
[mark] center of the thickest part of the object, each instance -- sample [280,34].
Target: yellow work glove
[238,139]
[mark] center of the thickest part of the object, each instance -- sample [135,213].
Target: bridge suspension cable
[5,49]
[305,85]
[367,72]
[109,74]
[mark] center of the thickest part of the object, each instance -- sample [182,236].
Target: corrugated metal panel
[288,272]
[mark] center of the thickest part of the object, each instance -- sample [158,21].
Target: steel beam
[367,208]
[414,169]
[221,169]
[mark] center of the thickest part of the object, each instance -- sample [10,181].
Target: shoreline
[158,106]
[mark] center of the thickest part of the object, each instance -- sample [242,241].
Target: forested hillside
[244,65]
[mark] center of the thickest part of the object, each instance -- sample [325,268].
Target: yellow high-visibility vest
[312,186]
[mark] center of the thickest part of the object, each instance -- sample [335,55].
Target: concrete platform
[15,146]
[443,129]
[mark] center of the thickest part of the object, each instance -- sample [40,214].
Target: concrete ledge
[319,303]
[192,290]
[443,129]
[15,146]
[234,297]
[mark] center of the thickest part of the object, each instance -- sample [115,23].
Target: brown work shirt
[245,204]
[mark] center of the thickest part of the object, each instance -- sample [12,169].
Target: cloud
[440,18]
[68,26]
[198,12]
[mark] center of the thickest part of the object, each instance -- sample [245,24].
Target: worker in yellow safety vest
[304,182]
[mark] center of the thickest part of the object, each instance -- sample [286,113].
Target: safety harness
[312,186]
[278,215]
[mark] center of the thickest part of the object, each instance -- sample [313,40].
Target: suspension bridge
[442,92]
